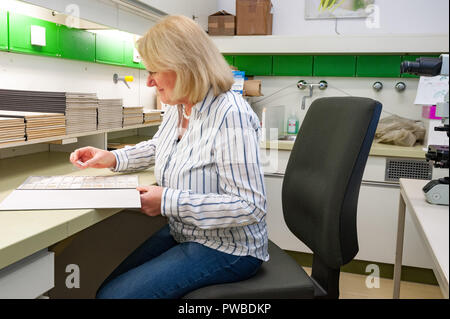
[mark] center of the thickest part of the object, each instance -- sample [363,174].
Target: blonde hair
[179,44]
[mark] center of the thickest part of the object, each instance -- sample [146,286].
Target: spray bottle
[292,124]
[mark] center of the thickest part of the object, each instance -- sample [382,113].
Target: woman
[210,182]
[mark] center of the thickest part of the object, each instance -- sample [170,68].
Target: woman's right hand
[92,157]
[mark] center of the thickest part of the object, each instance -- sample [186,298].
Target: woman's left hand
[150,199]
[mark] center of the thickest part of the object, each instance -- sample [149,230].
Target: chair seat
[279,278]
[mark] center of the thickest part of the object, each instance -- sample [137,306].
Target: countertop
[23,233]
[377,149]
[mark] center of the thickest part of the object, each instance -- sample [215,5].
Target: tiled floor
[353,286]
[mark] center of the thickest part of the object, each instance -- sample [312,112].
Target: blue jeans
[164,268]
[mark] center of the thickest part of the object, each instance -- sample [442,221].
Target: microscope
[436,191]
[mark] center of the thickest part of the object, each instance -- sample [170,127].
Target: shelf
[121,142]
[398,44]
[71,136]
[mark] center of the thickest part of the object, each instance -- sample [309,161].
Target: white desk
[432,222]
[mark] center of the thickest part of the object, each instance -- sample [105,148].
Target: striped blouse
[212,178]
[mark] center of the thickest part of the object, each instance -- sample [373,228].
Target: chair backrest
[323,176]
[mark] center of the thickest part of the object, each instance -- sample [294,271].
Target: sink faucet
[303,85]
[311,88]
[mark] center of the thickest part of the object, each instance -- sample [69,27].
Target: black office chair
[320,196]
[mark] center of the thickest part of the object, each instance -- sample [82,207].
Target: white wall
[396,17]
[290,99]
[29,72]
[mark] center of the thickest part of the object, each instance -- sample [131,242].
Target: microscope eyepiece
[422,66]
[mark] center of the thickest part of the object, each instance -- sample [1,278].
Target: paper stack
[32,101]
[133,115]
[110,113]
[12,130]
[81,112]
[39,125]
[152,116]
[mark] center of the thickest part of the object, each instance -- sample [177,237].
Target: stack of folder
[80,109]
[39,125]
[133,115]
[109,113]
[81,112]
[32,101]
[152,116]
[12,130]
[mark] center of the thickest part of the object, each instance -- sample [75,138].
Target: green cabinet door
[293,65]
[254,64]
[77,44]
[3,30]
[109,50]
[20,35]
[129,53]
[378,66]
[335,65]
[229,59]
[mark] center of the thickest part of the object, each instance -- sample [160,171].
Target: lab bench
[26,235]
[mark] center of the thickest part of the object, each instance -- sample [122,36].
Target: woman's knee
[104,293]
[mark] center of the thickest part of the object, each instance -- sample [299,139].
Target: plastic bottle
[292,124]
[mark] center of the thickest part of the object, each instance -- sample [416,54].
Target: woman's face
[164,83]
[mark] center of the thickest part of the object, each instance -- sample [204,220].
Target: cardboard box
[252,88]
[254,17]
[221,23]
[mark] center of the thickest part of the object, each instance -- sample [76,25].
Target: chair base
[327,278]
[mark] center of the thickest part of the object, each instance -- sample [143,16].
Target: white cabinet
[376,218]
[28,278]
[377,228]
